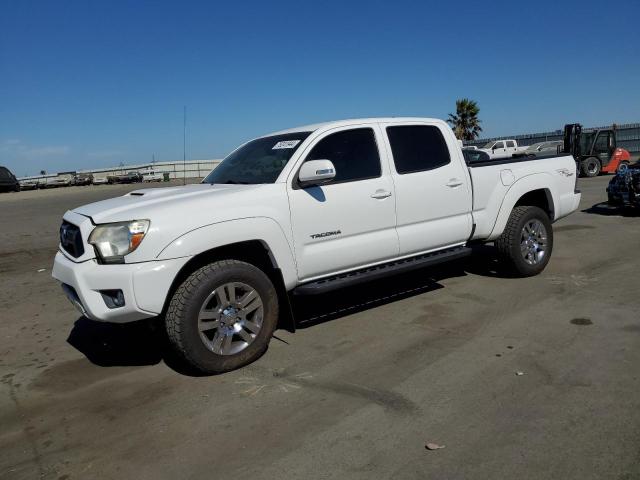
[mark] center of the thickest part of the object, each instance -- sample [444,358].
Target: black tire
[509,243]
[590,167]
[181,319]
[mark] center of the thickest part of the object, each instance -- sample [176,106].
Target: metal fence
[188,169]
[628,136]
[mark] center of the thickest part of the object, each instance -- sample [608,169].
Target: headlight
[115,240]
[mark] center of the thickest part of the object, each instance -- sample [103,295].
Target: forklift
[595,151]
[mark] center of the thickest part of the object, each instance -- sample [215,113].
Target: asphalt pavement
[535,378]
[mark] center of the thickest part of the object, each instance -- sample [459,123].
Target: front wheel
[527,241]
[590,167]
[222,317]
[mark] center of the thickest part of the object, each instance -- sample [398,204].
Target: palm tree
[465,123]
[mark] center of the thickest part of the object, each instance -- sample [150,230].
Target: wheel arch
[534,190]
[268,251]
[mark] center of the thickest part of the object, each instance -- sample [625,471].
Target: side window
[499,145]
[354,154]
[511,144]
[417,148]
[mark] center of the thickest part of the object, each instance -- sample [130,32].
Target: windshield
[259,161]
[489,145]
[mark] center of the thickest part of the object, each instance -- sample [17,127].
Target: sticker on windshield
[285,144]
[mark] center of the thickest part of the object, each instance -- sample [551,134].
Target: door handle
[454,182]
[380,194]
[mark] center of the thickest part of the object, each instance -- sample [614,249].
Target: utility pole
[184,145]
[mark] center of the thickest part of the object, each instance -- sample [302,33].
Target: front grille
[71,239]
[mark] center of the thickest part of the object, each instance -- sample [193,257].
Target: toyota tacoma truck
[302,212]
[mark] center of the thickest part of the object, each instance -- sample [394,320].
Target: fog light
[113,298]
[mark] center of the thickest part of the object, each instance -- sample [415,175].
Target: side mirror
[316,172]
[495,145]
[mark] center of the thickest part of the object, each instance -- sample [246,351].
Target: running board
[379,271]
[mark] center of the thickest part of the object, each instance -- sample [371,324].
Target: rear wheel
[223,316]
[527,241]
[590,167]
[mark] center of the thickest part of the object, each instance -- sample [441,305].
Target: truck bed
[494,179]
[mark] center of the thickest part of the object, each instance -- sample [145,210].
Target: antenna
[184,145]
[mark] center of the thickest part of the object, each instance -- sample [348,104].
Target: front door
[349,222]
[499,150]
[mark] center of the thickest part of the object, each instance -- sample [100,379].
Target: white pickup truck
[502,148]
[152,176]
[302,211]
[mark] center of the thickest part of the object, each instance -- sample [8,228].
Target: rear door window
[511,144]
[417,148]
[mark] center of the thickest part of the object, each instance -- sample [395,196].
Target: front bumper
[144,285]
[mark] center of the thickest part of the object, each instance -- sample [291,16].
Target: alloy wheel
[230,318]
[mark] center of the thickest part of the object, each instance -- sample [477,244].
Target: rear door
[433,191]
[350,222]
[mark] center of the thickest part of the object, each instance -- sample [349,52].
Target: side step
[379,271]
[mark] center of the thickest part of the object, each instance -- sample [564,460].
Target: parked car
[152,176]
[129,177]
[302,211]
[30,184]
[100,180]
[80,179]
[8,181]
[544,148]
[475,156]
[56,182]
[502,148]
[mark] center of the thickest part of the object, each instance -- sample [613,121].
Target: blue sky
[89,84]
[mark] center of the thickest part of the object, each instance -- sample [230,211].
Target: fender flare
[263,229]
[524,185]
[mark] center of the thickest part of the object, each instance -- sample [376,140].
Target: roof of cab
[352,121]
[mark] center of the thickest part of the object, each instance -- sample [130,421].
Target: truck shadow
[603,208]
[145,343]
[132,344]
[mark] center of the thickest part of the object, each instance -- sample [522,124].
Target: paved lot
[383,369]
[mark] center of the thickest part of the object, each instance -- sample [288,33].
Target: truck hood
[151,203]
[176,211]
